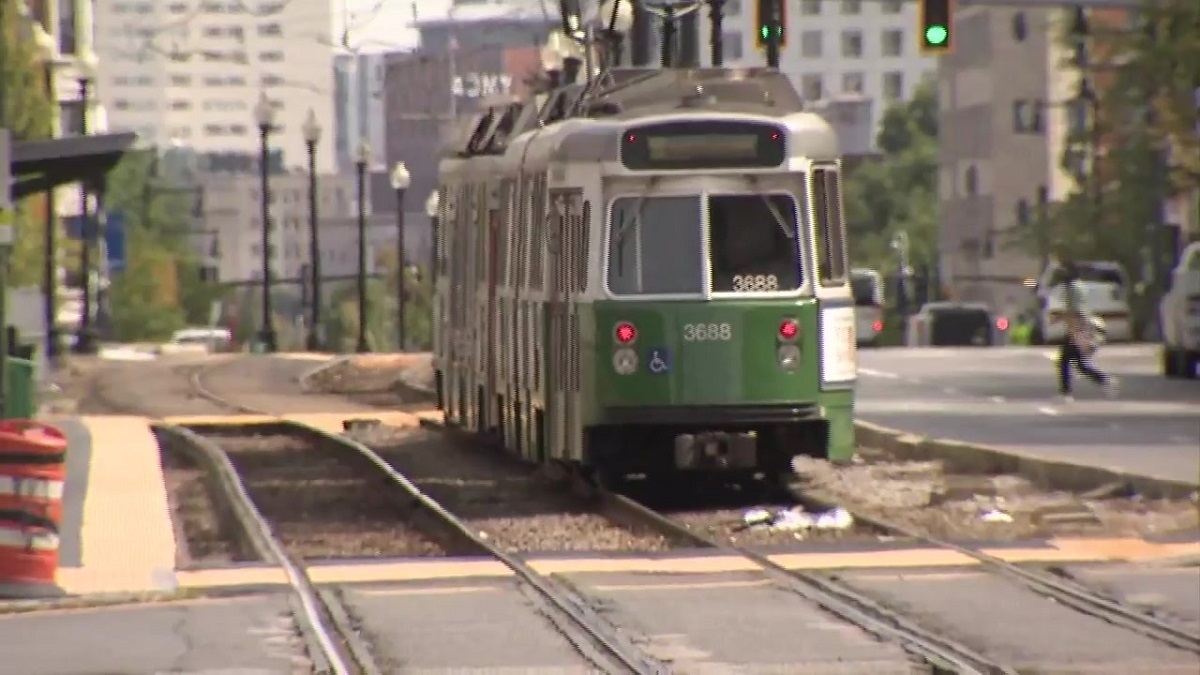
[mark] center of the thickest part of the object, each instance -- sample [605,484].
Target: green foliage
[898,192]
[160,291]
[26,111]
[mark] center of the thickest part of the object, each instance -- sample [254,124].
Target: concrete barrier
[963,458]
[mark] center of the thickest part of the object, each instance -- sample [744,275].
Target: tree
[26,111]
[160,290]
[898,192]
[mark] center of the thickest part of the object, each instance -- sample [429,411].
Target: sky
[381,25]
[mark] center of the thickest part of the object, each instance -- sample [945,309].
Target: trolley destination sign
[709,144]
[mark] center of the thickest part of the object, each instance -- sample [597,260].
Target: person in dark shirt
[1079,341]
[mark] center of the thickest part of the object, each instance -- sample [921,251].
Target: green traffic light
[765,31]
[936,35]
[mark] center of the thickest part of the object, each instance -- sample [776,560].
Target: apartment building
[190,72]
[229,226]
[1008,106]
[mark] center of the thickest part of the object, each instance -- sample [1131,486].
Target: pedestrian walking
[1080,340]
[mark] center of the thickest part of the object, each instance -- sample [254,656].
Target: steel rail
[1075,596]
[624,651]
[845,602]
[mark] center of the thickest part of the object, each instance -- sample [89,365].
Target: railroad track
[597,640]
[592,636]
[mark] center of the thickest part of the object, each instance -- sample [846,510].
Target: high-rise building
[358,106]
[189,72]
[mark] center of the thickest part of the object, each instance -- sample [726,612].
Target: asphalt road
[1007,397]
[254,635]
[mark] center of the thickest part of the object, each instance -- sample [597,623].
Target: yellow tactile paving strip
[1057,551]
[128,543]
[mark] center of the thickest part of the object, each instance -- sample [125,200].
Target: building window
[1019,29]
[853,83]
[971,181]
[812,87]
[271,80]
[1022,213]
[893,42]
[214,130]
[270,30]
[810,7]
[71,117]
[181,80]
[852,44]
[892,6]
[893,86]
[733,44]
[851,6]
[68,42]
[1027,116]
[178,7]
[810,43]
[733,7]
[273,56]
[181,104]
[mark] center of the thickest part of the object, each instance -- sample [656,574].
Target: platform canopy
[38,166]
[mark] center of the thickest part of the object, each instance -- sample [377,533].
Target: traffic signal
[936,29]
[772,20]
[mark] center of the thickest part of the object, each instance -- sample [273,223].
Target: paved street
[1007,397]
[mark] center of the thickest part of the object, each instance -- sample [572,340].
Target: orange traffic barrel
[28,556]
[32,471]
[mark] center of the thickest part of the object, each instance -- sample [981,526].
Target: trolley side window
[831,240]
[753,243]
[654,246]
[865,289]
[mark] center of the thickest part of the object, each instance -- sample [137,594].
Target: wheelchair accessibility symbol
[659,361]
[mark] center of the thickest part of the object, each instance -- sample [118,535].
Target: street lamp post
[363,156]
[48,50]
[401,179]
[432,204]
[264,115]
[312,135]
[85,340]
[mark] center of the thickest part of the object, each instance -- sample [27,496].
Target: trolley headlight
[625,361]
[788,357]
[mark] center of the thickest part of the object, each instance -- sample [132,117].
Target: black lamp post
[48,51]
[85,340]
[264,115]
[432,204]
[401,179]
[363,156]
[312,135]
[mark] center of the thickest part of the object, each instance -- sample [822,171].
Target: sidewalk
[117,534]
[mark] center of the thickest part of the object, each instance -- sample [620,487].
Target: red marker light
[630,138]
[625,333]
[877,326]
[1002,323]
[775,135]
[789,329]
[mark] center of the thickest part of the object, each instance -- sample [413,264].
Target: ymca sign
[479,85]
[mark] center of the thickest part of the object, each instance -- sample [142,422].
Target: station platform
[117,535]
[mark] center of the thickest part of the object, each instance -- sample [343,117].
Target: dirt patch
[923,497]
[320,503]
[512,504]
[371,379]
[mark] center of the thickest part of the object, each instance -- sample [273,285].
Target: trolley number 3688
[707,332]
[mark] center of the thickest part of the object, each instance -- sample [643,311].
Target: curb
[970,458]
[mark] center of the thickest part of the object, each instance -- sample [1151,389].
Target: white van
[212,339]
[1179,315]
[867,287]
[1105,289]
